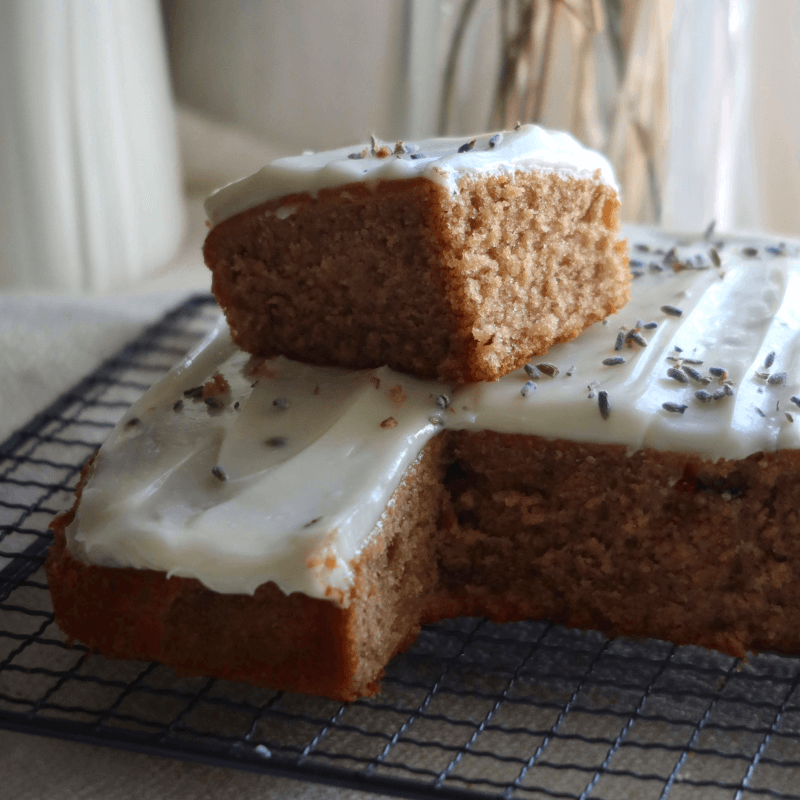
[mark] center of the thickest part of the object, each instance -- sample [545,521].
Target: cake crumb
[397,395]
[376,381]
[332,593]
[260,368]
[389,422]
[216,386]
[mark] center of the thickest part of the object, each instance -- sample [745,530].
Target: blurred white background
[694,101]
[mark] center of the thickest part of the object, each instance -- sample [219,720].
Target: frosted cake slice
[456,259]
[292,526]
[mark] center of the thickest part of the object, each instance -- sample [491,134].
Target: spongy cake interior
[460,287]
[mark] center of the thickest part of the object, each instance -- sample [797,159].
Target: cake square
[457,260]
[295,531]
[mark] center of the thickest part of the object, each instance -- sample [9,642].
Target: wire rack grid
[473,709]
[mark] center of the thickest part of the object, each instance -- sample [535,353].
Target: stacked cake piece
[291,523]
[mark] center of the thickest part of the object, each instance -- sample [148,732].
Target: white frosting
[301,513]
[529,147]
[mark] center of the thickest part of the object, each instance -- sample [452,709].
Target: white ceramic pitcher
[90,192]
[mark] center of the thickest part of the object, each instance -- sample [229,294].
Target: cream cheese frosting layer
[438,160]
[286,477]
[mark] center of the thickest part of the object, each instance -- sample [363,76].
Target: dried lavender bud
[675,408]
[770,359]
[551,370]
[276,441]
[281,403]
[532,372]
[528,389]
[703,396]
[465,148]
[677,375]
[443,401]
[495,140]
[692,373]
[620,342]
[635,336]
[672,311]
[777,379]
[603,403]
[219,473]
[612,361]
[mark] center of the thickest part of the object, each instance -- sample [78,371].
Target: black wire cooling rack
[473,709]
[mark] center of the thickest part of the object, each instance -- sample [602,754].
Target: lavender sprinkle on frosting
[677,375]
[777,379]
[603,403]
